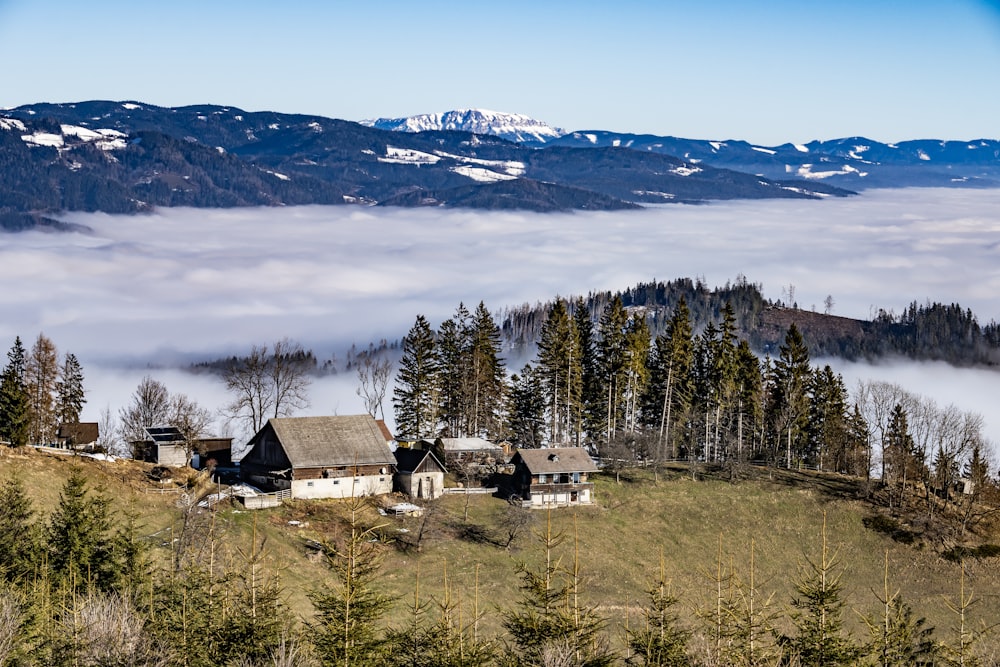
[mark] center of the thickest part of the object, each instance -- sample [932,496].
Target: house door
[420,488]
[574,496]
[430,483]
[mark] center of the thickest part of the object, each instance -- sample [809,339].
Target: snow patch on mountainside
[395,155]
[481,174]
[11,124]
[511,126]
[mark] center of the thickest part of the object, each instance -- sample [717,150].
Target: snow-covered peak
[511,126]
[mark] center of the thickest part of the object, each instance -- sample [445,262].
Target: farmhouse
[556,476]
[80,435]
[419,473]
[320,457]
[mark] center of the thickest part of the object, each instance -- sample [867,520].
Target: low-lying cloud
[188,284]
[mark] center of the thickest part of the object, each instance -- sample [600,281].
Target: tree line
[929,331]
[39,391]
[635,398]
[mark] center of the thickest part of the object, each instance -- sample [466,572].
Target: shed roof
[557,459]
[408,460]
[316,442]
[467,444]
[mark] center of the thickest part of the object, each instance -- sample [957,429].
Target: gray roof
[557,459]
[316,442]
[467,444]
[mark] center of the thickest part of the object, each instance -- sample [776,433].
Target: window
[542,479]
[576,478]
[336,481]
[309,483]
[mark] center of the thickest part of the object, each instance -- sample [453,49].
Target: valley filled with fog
[151,294]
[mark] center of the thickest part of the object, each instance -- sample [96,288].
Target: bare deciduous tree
[267,384]
[373,375]
[150,406]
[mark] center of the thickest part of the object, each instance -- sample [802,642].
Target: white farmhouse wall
[342,487]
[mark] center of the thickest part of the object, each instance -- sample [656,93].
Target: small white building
[419,474]
[320,457]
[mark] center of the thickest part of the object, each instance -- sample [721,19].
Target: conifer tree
[41,374]
[70,396]
[417,392]
[80,541]
[526,409]
[549,626]
[820,640]
[488,375]
[453,345]
[670,388]
[591,401]
[14,415]
[661,641]
[560,368]
[347,631]
[19,539]
[897,638]
[612,362]
[789,404]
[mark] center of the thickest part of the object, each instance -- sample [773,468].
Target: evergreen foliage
[14,410]
[416,397]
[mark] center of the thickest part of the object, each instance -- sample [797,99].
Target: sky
[772,72]
[142,294]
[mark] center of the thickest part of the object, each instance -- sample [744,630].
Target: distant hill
[125,157]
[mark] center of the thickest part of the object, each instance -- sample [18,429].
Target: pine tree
[416,395]
[820,640]
[488,375]
[612,363]
[14,410]
[591,400]
[789,404]
[526,409]
[897,638]
[549,626]
[348,613]
[80,541]
[19,539]
[559,366]
[661,641]
[70,396]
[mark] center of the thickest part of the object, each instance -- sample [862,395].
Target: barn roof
[408,460]
[316,442]
[557,459]
[81,433]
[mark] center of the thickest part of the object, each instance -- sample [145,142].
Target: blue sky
[717,69]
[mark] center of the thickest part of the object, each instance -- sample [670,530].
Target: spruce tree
[820,640]
[416,395]
[526,409]
[80,542]
[14,406]
[453,345]
[19,539]
[488,375]
[560,368]
[670,389]
[70,396]
[897,639]
[789,404]
[346,628]
[661,642]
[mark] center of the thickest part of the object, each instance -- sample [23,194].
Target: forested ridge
[928,331]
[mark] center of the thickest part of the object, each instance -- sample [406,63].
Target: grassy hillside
[619,541]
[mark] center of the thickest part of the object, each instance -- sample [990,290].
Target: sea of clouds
[148,294]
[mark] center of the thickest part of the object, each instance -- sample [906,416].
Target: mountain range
[126,157]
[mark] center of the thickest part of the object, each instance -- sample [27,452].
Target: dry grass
[620,540]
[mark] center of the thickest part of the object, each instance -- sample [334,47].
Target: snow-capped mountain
[510,126]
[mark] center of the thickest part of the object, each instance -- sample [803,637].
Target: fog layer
[184,284]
